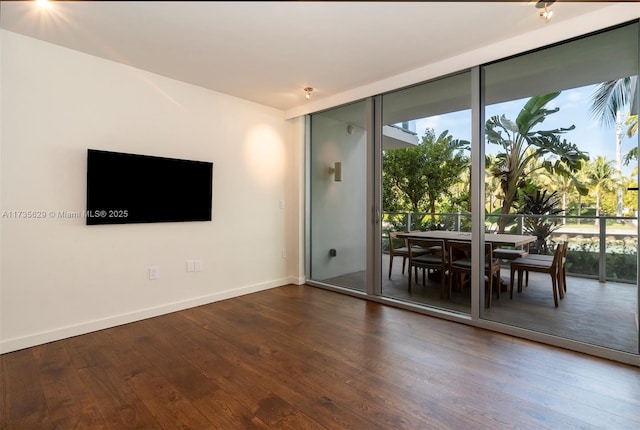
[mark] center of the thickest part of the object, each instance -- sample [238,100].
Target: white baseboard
[297,281]
[9,345]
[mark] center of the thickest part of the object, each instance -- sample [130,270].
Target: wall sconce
[336,170]
[546,13]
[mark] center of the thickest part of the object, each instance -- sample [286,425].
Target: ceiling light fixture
[43,3]
[308,91]
[545,13]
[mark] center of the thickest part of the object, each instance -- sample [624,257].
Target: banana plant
[522,143]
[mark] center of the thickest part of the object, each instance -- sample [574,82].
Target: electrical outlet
[190,266]
[154,273]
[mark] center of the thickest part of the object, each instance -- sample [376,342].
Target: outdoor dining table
[496,239]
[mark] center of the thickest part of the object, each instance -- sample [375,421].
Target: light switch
[197,265]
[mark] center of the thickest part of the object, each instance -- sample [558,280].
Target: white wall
[60,277]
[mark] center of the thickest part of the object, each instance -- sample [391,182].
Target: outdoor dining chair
[427,254]
[460,264]
[552,267]
[398,248]
[562,273]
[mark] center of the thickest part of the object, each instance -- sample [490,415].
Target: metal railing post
[457,222]
[519,217]
[407,224]
[602,254]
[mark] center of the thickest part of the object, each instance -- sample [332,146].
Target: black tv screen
[131,188]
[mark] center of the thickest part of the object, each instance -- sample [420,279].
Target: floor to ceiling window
[543,145]
[559,169]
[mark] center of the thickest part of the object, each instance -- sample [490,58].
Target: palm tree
[491,184]
[581,177]
[611,97]
[514,164]
[603,177]
[632,122]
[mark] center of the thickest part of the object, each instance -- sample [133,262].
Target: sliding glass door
[338,197]
[426,158]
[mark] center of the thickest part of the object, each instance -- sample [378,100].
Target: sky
[574,104]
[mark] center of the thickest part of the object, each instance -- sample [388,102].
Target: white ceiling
[267,52]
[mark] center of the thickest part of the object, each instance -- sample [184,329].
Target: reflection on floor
[602,314]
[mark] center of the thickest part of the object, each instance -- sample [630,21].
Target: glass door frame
[374,196]
[477,192]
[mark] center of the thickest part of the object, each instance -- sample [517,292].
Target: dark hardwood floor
[298,357]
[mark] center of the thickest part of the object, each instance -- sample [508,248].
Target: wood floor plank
[298,357]
[164,400]
[69,402]
[119,405]
[249,363]
[24,402]
[237,399]
[312,359]
[202,391]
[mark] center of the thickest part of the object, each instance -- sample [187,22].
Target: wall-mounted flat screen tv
[130,188]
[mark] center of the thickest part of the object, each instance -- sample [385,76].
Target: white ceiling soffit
[601,58]
[395,138]
[267,52]
[610,14]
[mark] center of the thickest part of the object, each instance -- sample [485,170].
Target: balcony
[601,303]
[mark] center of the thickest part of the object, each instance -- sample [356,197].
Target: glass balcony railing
[603,248]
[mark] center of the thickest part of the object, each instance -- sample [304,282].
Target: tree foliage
[416,178]
[610,97]
[546,207]
[602,177]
